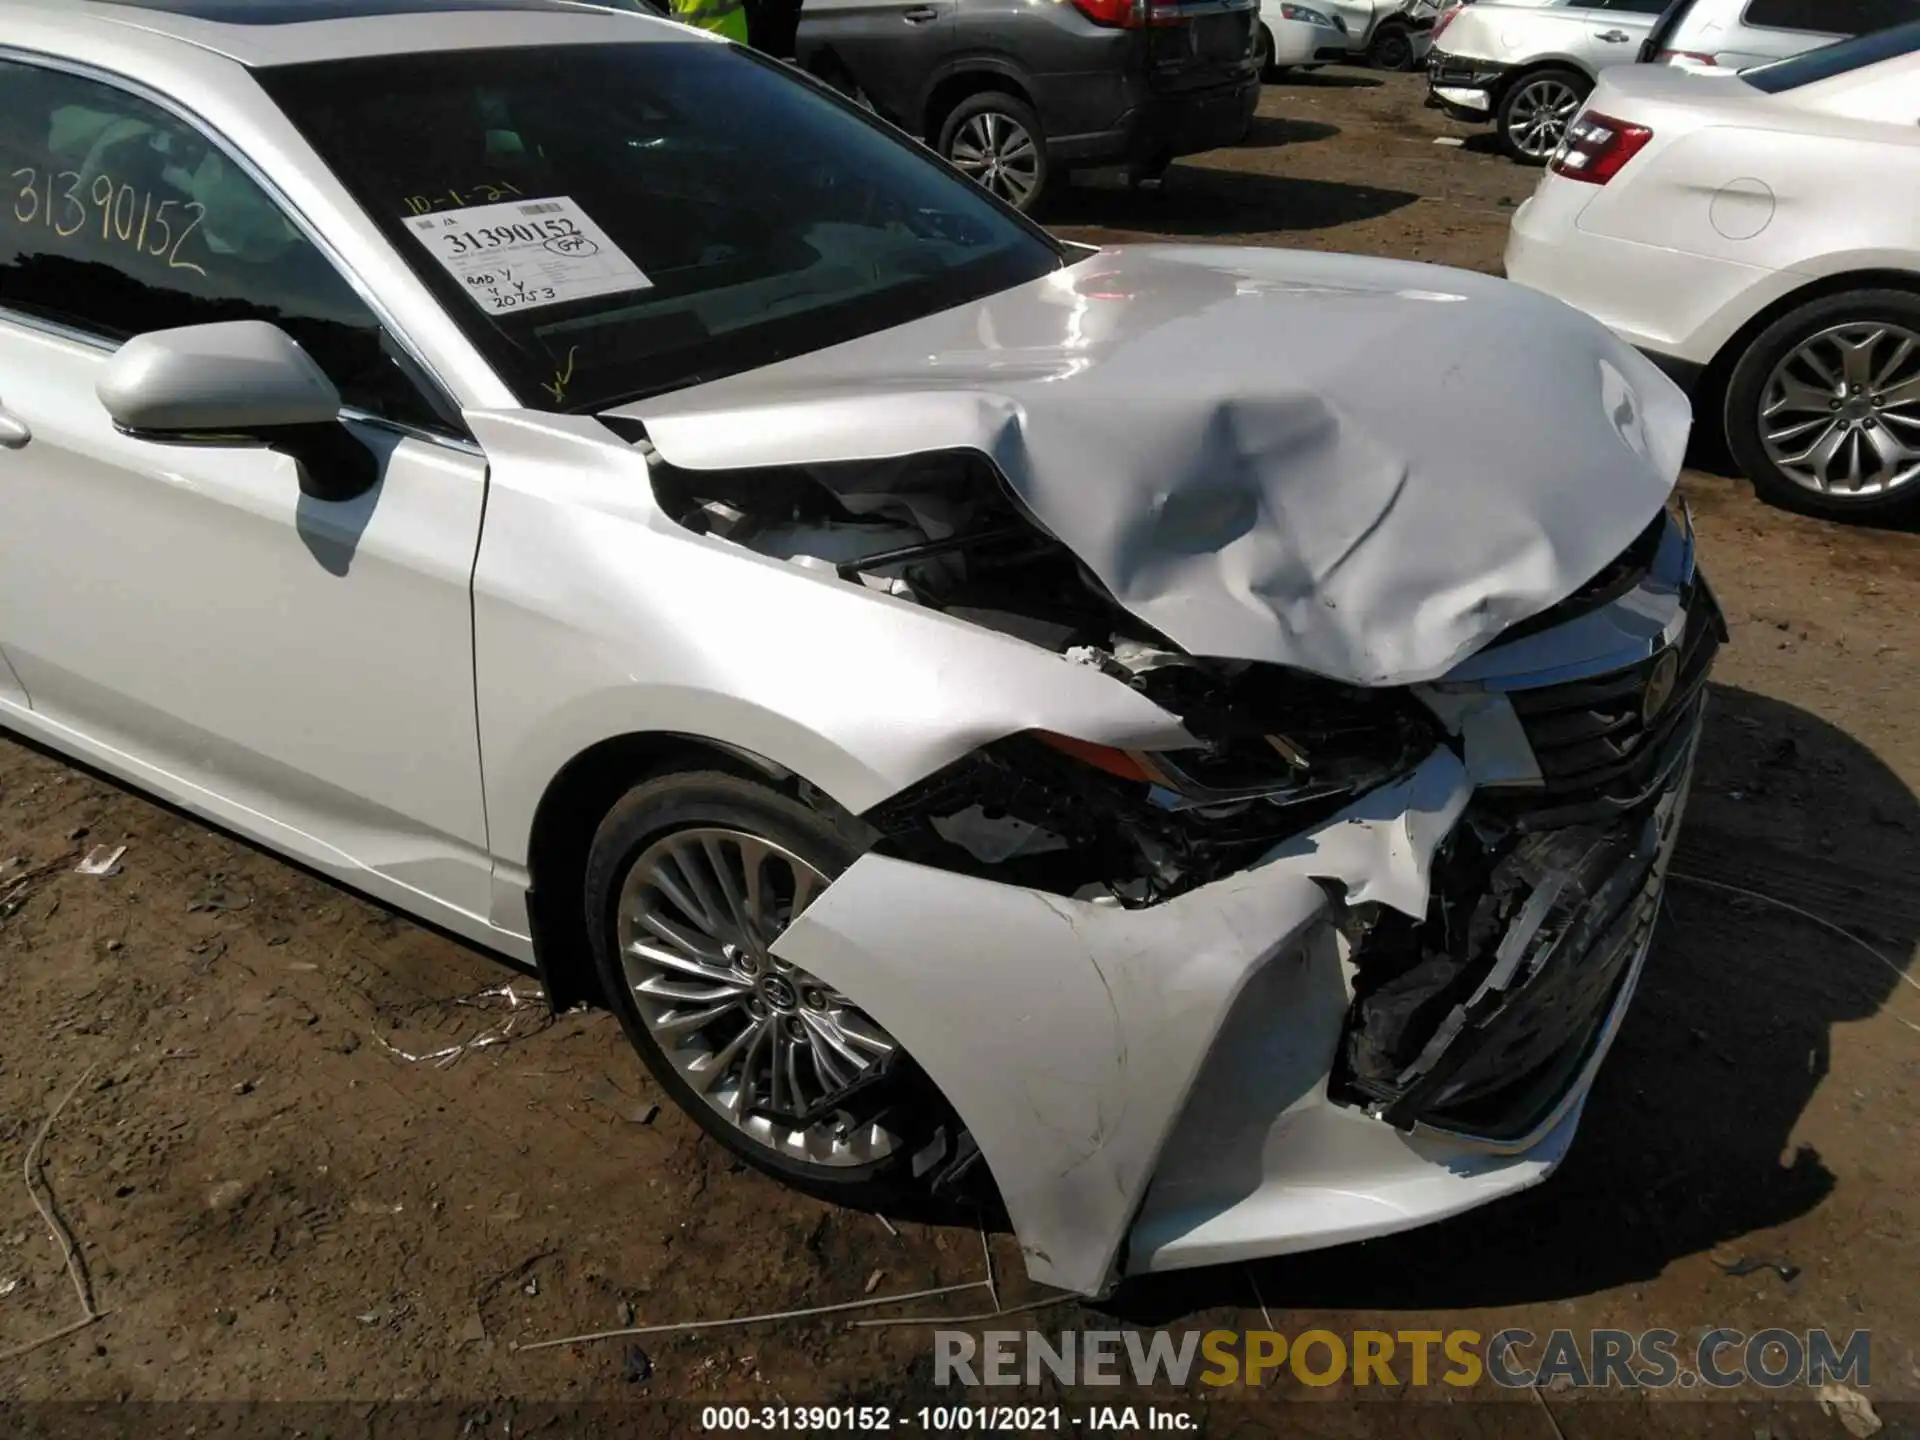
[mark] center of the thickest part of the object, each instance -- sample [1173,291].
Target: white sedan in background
[1758,236]
[1293,35]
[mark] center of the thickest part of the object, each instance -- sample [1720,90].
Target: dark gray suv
[1018,92]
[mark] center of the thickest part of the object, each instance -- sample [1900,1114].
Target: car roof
[259,33]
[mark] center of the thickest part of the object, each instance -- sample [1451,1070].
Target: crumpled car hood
[1363,468]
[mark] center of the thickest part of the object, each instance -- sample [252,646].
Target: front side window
[611,221]
[1831,60]
[119,218]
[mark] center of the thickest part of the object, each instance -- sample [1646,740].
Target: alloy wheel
[767,1045]
[1840,414]
[1539,114]
[996,150]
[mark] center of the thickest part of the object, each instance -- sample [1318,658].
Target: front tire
[1392,49]
[1263,52]
[995,140]
[690,879]
[1823,409]
[1535,111]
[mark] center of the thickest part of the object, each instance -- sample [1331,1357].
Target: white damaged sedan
[992,717]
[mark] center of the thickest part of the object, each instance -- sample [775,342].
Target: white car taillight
[1683,57]
[1597,146]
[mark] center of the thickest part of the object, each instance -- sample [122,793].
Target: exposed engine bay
[1277,748]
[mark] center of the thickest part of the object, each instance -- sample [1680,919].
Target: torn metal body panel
[1389,1017]
[1067,1034]
[1206,430]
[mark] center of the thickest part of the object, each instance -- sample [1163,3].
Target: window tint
[1831,60]
[1830,17]
[1638,7]
[117,218]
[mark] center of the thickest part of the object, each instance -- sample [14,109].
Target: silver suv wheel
[1840,412]
[996,150]
[1535,116]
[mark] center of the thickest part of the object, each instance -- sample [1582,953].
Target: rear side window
[118,218]
[1832,60]
[1829,17]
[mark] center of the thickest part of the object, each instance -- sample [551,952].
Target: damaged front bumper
[1463,86]
[1387,1019]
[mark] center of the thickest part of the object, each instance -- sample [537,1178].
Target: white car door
[1357,15]
[184,612]
[1609,32]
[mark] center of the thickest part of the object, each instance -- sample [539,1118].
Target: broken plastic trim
[1478,1021]
[1070,818]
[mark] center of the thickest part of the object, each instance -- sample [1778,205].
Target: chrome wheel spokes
[763,1042]
[1840,414]
[997,151]
[1538,119]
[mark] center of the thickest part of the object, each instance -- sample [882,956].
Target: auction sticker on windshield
[520,254]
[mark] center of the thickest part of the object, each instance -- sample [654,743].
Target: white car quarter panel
[596,616]
[187,605]
[1742,217]
[1675,298]
[1739,200]
[1681,200]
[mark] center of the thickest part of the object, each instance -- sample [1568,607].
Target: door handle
[1614,37]
[920,15]
[13,430]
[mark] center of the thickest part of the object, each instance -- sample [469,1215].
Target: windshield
[1831,60]
[612,221]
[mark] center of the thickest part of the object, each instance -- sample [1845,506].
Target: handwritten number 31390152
[125,215]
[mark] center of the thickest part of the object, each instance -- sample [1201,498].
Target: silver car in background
[995,719]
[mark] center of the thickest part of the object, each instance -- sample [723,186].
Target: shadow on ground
[1281,130]
[1708,453]
[1202,200]
[1687,1142]
[1325,80]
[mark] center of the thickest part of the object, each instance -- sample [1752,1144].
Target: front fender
[596,617]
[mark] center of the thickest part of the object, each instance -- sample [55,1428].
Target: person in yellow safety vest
[723,17]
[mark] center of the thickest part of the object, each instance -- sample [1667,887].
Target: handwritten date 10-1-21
[124,215]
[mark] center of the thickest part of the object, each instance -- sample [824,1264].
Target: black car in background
[1016,93]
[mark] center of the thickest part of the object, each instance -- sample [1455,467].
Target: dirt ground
[273,1203]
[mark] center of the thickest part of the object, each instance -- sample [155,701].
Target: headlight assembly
[1278,752]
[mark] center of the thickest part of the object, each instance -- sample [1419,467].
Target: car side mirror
[237,382]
